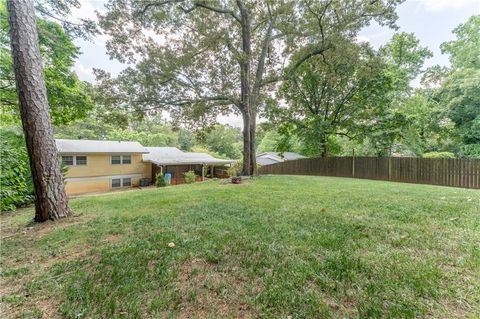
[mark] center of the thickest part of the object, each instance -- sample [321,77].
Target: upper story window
[121,159]
[126,159]
[116,159]
[77,160]
[68,160]
[81,160]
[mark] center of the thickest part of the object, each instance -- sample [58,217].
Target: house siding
[97,174]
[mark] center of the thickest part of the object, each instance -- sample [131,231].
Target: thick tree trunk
[246,144]
[253,151]
[245,95]
[51,200]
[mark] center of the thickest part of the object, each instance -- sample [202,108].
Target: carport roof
[174,156]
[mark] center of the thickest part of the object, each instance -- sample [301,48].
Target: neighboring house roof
[267,160]
[275,157]
[174,156]
[90,146]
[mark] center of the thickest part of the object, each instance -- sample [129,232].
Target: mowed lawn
[273,247]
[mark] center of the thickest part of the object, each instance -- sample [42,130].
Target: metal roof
[280,157]
[90,146]
[174,156]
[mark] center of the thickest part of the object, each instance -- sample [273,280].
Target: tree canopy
[68,97]
[199,59]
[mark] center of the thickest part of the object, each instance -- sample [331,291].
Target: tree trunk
[253,152]
[51,200]
[246,143]
[324,146]
[246,108]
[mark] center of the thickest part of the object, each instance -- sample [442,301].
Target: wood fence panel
[447,172]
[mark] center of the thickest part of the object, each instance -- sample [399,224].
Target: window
[126,159]
[127,182]
[67,160]
[80,160]
[116,159]
[116,182]
[121,159]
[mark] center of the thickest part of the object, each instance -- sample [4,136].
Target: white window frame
[121,159]
[122,184]
[130,181]
[129,157]
[74,160]
[111,183]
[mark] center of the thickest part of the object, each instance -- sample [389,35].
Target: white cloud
[83,73]
[442,5]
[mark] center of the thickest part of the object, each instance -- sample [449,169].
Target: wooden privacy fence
[436,171]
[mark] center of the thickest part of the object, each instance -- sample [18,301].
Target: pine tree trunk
[51,200]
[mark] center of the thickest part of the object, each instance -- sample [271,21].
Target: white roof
[90,146]
[174,156]
[280,157]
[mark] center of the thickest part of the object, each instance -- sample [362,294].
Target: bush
[232,171]
[189,177]
[470,151]
[160,180]
[16,187]
[438,155]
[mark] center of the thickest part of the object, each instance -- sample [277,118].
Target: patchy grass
[274,247]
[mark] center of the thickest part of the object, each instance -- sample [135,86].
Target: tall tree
[404,58]
[460,88]
[51,201]
[336,94]
[68,97]
[201,57]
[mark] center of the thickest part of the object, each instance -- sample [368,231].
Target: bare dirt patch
[209,291]
[37,230]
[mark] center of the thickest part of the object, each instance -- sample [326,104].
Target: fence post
[353,163]
[389,168]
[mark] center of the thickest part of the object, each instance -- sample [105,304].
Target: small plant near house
[232,171]
[189,177]
[160,180]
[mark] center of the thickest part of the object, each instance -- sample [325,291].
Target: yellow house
[99,166]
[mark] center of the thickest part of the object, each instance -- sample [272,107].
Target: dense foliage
[68,97]
[16,188]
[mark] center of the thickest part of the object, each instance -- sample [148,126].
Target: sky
[432,22]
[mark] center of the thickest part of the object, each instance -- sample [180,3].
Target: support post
[203,172]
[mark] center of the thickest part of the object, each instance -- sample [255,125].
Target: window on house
[67,160]
[116,159]
[116,182]
[81,160]
[126,159]
[127,182]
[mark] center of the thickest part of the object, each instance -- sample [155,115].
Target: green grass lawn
[273,247]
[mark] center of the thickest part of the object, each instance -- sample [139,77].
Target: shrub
[232,171]
[189,177]
[438,155]
[470,151]
[160,180]
[16,188]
